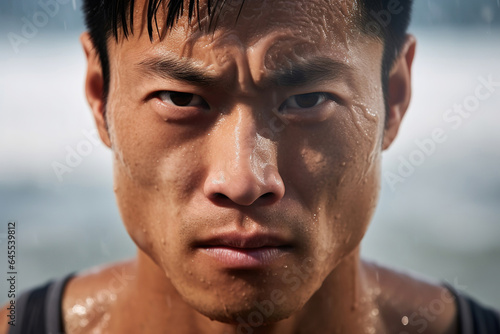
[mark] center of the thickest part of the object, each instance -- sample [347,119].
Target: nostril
[243,188]
[220,196]
[268,198]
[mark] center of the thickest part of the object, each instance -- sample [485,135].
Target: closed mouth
[245,251]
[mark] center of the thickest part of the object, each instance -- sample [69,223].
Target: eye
[180,99]
[305,101]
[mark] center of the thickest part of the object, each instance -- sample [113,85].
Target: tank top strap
[39,309]
[474,318]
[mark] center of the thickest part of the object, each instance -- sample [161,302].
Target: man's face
[263,175]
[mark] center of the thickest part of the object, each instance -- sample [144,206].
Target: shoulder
[89,296]
[475,317]
[411,304]
[4,315]
[30,308]
[86,297]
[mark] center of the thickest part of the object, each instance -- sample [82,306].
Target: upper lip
[245,241]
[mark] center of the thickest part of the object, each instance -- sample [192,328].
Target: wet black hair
[386,20]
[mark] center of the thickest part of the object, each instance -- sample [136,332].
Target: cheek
[150,152]
[338,178]
[154,175]
[338,157]
[358,184]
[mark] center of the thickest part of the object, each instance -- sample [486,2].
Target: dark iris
[181,99]
[307,100]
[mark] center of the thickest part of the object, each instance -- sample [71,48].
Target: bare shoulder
[411,304]
[89,296]
[5,316]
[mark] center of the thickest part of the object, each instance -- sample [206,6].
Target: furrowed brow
[309,72]
[176,69]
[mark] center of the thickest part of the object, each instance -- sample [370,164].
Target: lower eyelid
[324,96]
[202,102]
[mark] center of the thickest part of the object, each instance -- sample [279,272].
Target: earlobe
[399,90]
[94,85]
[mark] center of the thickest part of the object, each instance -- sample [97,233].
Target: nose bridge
[244,163]
[245,139]
[242,151]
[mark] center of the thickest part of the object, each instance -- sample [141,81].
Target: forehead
[246,44]
[317,22]
[317,19]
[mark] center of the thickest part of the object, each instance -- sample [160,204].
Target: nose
[243,167]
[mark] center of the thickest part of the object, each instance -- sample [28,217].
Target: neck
[344,303]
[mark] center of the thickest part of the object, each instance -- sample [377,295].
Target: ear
[94,85]
[399,90]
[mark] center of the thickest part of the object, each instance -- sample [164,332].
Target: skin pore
[184,174]
[277,135]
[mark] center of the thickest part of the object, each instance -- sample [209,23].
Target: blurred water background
[442,220]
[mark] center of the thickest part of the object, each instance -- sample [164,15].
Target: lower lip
[245,257]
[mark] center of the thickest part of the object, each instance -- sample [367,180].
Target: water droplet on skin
[343,164]
[285,266]
[404,320]
[375,312]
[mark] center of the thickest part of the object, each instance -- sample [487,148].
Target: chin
[252,314]
[248,305]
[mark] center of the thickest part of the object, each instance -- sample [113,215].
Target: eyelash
[322,98]
[166,98]
[199,101]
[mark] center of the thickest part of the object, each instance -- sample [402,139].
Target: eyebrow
[310,71]
[179,69]
[293,75]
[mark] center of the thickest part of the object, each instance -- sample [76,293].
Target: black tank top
[38,311]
